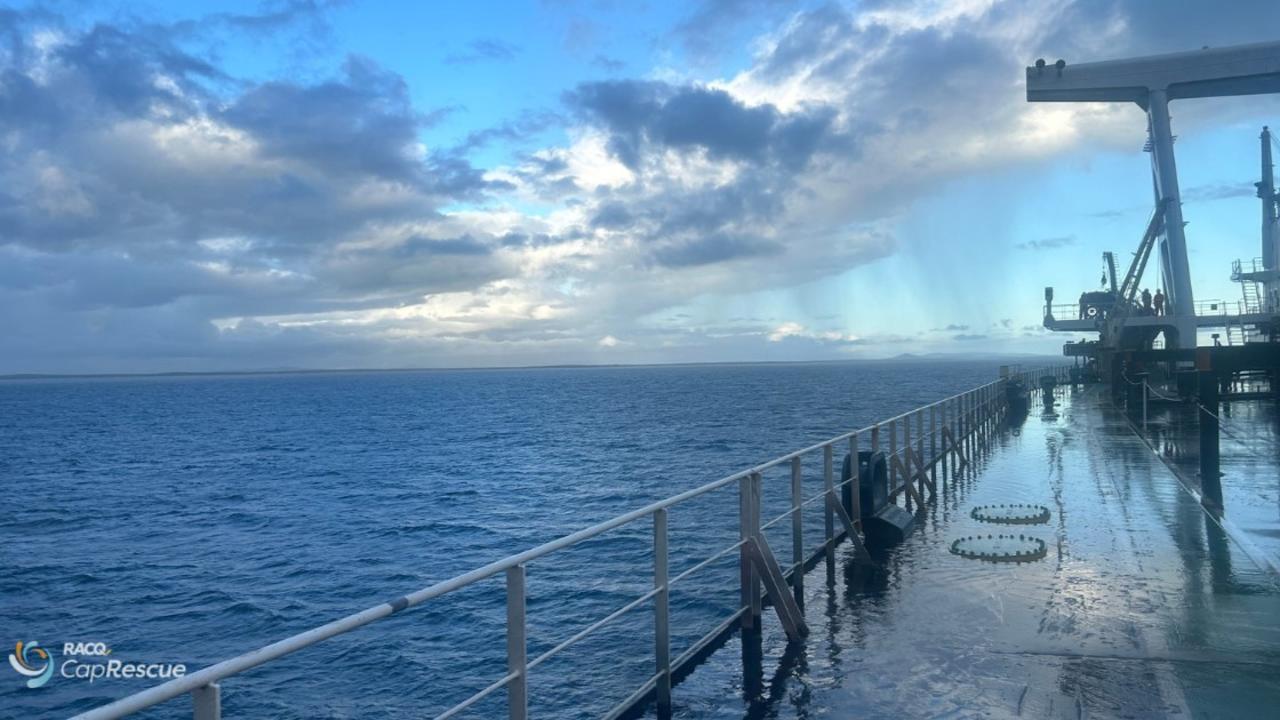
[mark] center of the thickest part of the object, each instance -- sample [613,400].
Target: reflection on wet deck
[1143,607]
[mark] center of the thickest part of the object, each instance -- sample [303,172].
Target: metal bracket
[838,510]
[906,477]
[950,439]
[776,585]
[921,473]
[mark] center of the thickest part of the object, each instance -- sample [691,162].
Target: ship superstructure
[1123,322]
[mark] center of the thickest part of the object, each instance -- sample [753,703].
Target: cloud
[359,124]
[708,119]
[1049,243]
[134,178]
[1219,191]
[523,127]
[608,64]
[158,212]
[711,20]
[786,330]
[484,50]
[713,249]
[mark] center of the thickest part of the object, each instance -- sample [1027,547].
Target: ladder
[1252,297]
[1235,333]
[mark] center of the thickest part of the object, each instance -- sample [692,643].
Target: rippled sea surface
[190,519]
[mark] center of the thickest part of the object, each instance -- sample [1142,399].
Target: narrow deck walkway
[1143,607]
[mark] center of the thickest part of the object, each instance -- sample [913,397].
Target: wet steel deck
[1144,606]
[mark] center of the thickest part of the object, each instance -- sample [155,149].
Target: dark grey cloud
[711,22]
[401,273]
[274,18]
[359,123]
[1219,191]
[612,216]
[1155,27]
[1112,214]
[608,64]
[522,128]
[638,112]
[711,249]
[828,32]
[101,74]
[1049,243]
[484,50]
[138,174]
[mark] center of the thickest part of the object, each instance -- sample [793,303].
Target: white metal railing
[1208,308]
[957,426]
[1240,267]
[1073,311]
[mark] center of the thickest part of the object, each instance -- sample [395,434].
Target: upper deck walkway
[1143,607]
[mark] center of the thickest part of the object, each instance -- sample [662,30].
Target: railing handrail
[233,666]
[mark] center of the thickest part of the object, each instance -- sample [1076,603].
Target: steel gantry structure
[1152,83]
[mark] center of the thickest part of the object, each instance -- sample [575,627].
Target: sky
[308,184]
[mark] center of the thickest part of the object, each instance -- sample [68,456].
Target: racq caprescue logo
[32,662]
[85,661]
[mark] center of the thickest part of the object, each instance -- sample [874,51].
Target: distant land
[905,357]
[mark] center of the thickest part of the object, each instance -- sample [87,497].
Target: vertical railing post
[954,429]
[829,517]
[982,412]
[748,527]
[661,612]
[986,412]
[920,449]
[517,646]
[893,460]
[797,528]
[933,443]
[206,701]
[977,420]
[855,483]
[906,450]
[948,452]
[968,422]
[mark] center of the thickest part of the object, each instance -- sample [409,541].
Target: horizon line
[482,368]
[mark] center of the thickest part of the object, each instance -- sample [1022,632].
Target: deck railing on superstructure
[920,444]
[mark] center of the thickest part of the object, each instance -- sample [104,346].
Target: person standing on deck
[1146,301]
[1158,302]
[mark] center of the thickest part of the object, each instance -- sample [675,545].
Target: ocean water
[190,519]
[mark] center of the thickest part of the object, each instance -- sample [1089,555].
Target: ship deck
[1145,605]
